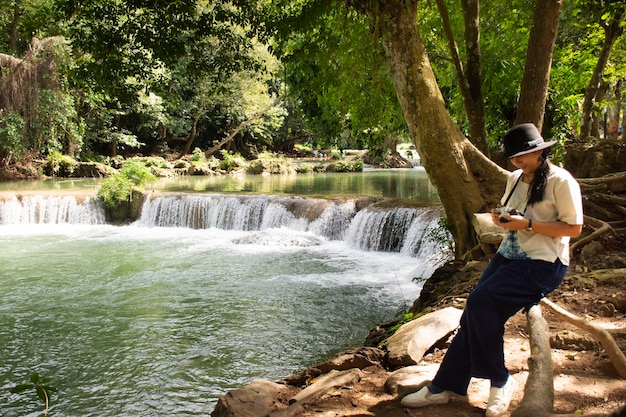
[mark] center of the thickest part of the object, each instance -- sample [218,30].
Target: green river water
[140,320]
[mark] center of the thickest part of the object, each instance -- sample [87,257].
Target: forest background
[106,80]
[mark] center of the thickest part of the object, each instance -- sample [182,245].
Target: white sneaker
[423,398]
[500,398]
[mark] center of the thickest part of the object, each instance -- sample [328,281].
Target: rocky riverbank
[369,381]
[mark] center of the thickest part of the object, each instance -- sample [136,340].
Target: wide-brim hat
[522,139]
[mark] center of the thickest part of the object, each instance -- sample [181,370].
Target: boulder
[410,379]
[359,358]
[322,385]
[412,340]
[256,399]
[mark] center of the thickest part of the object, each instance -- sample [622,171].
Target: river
[162,316]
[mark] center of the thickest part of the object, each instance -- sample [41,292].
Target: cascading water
[397,229]
[51,210]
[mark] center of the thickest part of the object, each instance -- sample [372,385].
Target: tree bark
[614,116]
[534,88]
[17,12]
[602,335]
[470,81]
[612,31]
[538,398]
[539,390]
[467,181]
[476,110]
[194,129]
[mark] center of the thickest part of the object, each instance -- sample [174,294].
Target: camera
[506,210]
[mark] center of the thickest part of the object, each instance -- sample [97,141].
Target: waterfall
[393,230]
[396,229]
[248,213]
[399,229]
[39,209]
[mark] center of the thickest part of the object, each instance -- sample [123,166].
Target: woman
[530,263]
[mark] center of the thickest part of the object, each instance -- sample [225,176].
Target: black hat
[523,139]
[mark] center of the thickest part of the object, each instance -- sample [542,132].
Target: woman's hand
[518,222]
[508,221]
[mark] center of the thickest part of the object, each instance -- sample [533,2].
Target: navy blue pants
[505,287]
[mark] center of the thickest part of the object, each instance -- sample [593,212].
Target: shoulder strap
[513,189]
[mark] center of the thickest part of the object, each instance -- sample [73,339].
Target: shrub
[137,172]
[11,133]
[118,189]
[270,163]
[198,156]
[231,161]
[60,165]
[115,190]
[346,166]
[335,154]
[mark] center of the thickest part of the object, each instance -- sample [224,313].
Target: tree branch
[243,124]
[602,227]
[604,337]
[539,391]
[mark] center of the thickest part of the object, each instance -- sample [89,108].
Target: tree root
[538,398]
[600,226]
[615,183]
[604,337]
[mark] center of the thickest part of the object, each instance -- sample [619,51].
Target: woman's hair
[538,185]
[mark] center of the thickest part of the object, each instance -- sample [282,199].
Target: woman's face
[529,162]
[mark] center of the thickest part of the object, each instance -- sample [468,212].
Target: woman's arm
[553,229]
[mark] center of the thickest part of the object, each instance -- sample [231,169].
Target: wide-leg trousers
[505,287]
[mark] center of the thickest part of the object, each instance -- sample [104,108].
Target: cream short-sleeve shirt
[562,201]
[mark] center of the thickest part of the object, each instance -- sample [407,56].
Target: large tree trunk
[476,110]
[612,31]
[534,89]
[17,12]
[467,182]
[470,80]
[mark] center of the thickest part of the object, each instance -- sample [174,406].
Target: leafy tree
[337,75]
[35,99]
[611,21]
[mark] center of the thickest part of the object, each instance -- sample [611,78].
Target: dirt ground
[585,382]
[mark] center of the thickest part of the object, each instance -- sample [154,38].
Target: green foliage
[11,131]
[349,166]
[57,126]
[302,147]
[40,386]
[231,161]
[118,189]
[198,156]
[337,72]
[407,317]
[59,164]
[304,168]
[133,74]
[137,172]
[271,164]
[115,190]
[441,236]
[378,157]
[335,154]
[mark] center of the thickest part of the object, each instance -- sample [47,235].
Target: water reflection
[410,184]
[405,184]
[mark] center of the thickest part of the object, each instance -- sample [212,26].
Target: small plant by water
[118,189]
[40,387]
[441,235]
